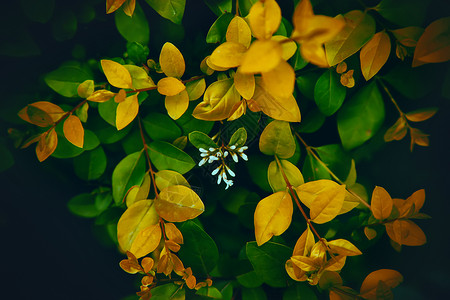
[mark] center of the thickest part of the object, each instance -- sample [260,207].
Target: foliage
[267,77]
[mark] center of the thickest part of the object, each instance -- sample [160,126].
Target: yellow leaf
[147,263]
[273,216]
[347,79]
[166,178]
[127,111]
[350,200]
[178,203]
[136,218]
[176,105]
[46,145]
[245,84]
[421,114]
[41,113]
[277,139]
[238,31]
[86,88]
[128,7]
[275,176]
[284,109]
[262,56]
[396,131]
[264,18]
[74,131]
[418,137]
[212,67]
[218,101]
[375,54]
[343,247]
[205,68]
[173,233]
[305,243]
[418,199]
[171,61]
[336,263]
[101,96]
[370,233]
[406,232]
[315,54]
[280,81]
[369,286]
[146,241]
[289,47]
[137,193]
[113,5]
[116,74]
[434,44]
[323,197]
[170,86]
[305,263]
[139,77]
[227,55]
[238,110]
[341,67]
[195,89]
[319,251]
[381,203]
[295,272]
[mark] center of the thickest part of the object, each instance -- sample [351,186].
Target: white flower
[228,183]
[202,150]
[211,149]
[225,154]
[233,147]
[216,170]
[230,171]
[234,156]
[202,162]
[244,156]
[242,149]
[212,158]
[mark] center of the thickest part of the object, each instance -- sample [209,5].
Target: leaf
[276,179]
[406,232]
[116,74]
[129,171]
[238,31]
[219,7]
[227,55]
[408,36]
[146,241]
[329,94]
[170,291]
[284,109]
[160,127]
[273,216]
[165,156]
[417,198]
[304,243]
[113,5]
[280,81]
[343,247]
[178,203]
[238,138]
[101,96]
[336,159]
[138,192]
[127,111]
[128,7]
[172,10]
[166,178]
[264,19]
[74,131]
[139,77]
[249,280]
[313,169]
[90,165]
[83,205]
[133,29]
[199,250]
[262,56]
[361,116]
[276,139]
[209,292]
[396,131]
[46,145]
[418,137]
[422,114]
[299,291]
[86,88]
[171,61]
[323,197]
[268,262]
[244,84]
[381,204]
[41,113]
[195,89]
[253,294]
[177,105]
[218,29]
[369,286]
[136,219]
[201,140]
[66,79]
[403,12]
[359,29]
[375,54]
[218,100]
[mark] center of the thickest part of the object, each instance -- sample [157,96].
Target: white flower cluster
[212,154]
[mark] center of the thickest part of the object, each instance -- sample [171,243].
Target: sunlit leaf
[304,243]
[218,29]
[166,178]
[101,96]
[195,89]
[127,111]
[228,55]
[391,278]
[272,216]
[275,175]
[381,204]
[139,192]
[139,77]
[374,54]
[74,131]
[170,86]
[169,9]
[406,232]
[171,61]
[238,31]
[129,172]
[128,7]
[280,81]
[41,113]
[417,198]
[177,105]
[289,47]
[146,240]
[315,54]
[343,247]
[46,145]
[86,88]
[244,84]
[82,112]
[276,139]
[262,56]
[264,18]
[116,74]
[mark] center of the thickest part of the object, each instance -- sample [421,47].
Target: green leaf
[90,165]
[199,250]
[268,262]
[298,61]
[209,292]
[336,159]
[404,12]
[133,29]
[299,291]
[313,170]
[249,280]
[66,149]
[217,31]
[219,7]
[312,122]
[361,116]
[103,200]
[359,29]
[130,171]
[253,294]
[161,127]
[275,175]
[107,110]
[238,138]
[329,93]
[83,205]
[168,291]
[245,5]
[201,140]
[107,134]
[277,139]
[66,79]
[306,83]
[257,169]
[137,52]
[188,123]
[166,156]
[172,10]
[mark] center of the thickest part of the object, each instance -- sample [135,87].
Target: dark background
[49,253]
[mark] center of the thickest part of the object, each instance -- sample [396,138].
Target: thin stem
[309,150]
[237,8]
[390,96]
[152,173]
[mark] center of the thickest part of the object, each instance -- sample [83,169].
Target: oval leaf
[165,156]
[126,111]
[277,139]
[116,74]
[178,203]
[74,131]
[171,61]
[276,179]
[381,204]
[375,54]
[329,93]
[129,172]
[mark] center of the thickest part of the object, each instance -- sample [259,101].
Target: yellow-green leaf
[170,86]
[127,111]
[178,203]
[369,286]
[166,178]
[171,61]
[405,232]
[262,56]
[136,218]
[74,131]
[176,105]
[138,193]
[276,139]
[46,145]
[289,47]
[146,240]
[228,55]
[381,203]
[375,54]
[264,18]
[139,76]
[305,243]
[245,84]
[86,88]
[434,44]
[101,96]
[280,81]
[273,216]
[195,89]
[343,247]
[116,74]
[238,31]
[276,179]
